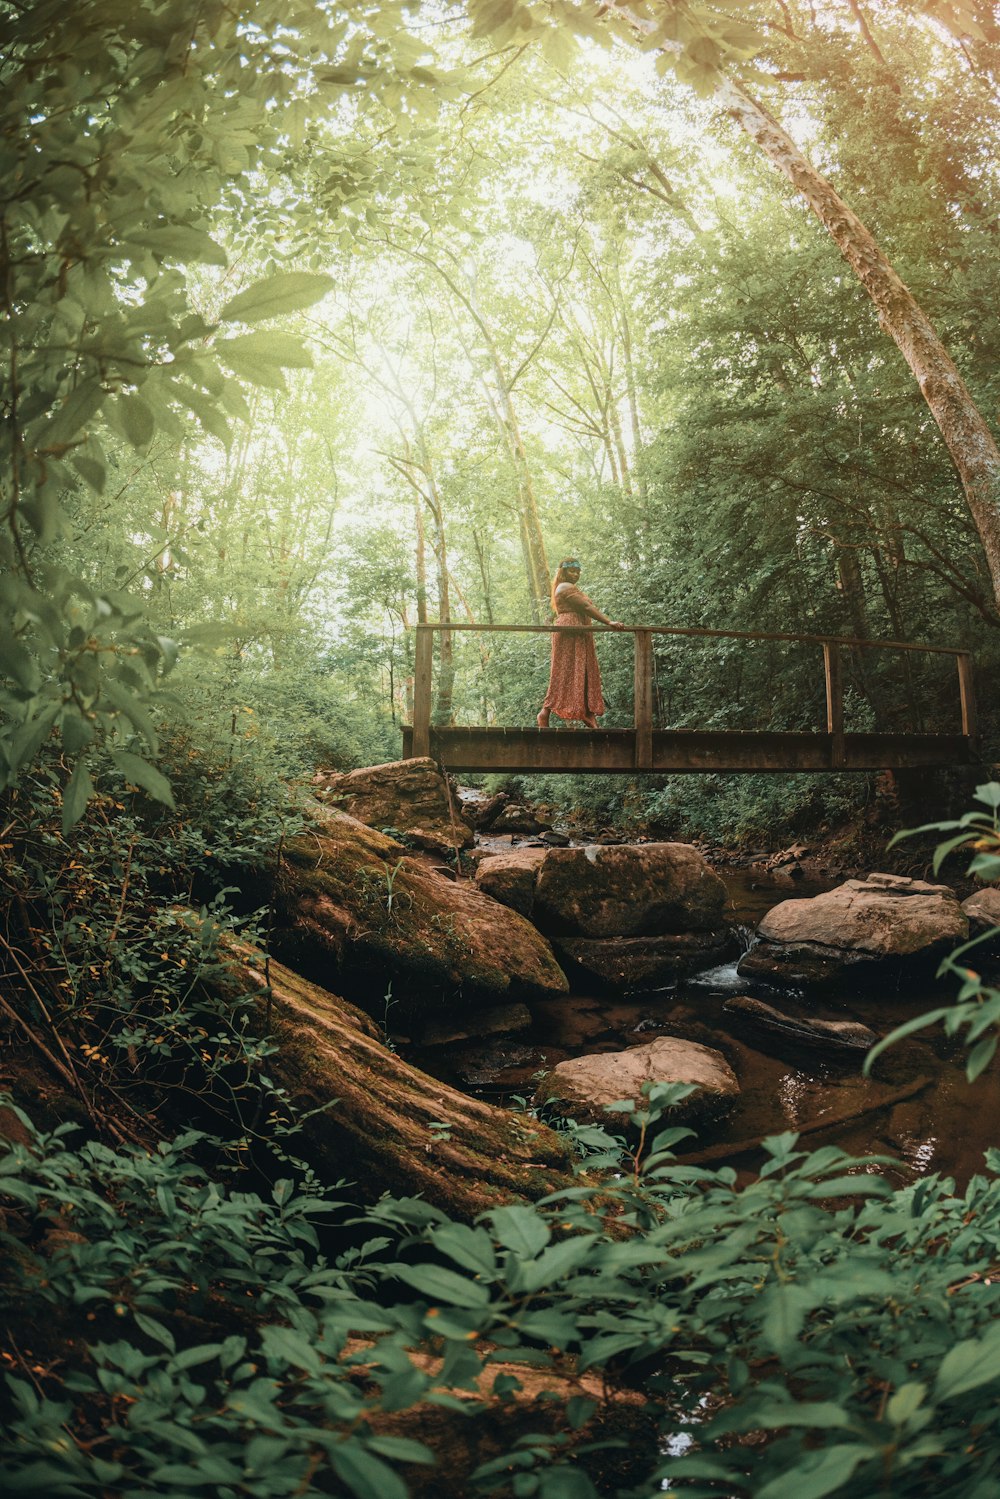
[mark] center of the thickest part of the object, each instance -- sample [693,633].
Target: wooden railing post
[643,700]
[423,673]
[967,691]
[833,669]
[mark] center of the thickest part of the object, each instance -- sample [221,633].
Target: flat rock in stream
[983,910]
[824,1035]
[870,928]
[583,1087]
[624,964]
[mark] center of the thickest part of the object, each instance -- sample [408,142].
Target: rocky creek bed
[943,1125]
[547,963]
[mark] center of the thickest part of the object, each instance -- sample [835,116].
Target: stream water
[944,1127]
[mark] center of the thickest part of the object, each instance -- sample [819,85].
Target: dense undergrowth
[202,1313]
[814,1328]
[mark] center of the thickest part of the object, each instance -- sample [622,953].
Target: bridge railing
[832,648]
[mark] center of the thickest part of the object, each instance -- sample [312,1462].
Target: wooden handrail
[695,632]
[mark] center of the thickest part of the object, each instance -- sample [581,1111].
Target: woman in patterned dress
[575,678]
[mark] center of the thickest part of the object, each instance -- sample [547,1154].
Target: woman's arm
[595,613]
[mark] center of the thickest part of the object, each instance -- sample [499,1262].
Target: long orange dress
[575,677]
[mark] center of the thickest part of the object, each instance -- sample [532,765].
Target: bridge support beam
[967,691]
[423,675]
[834,670]
[643,700]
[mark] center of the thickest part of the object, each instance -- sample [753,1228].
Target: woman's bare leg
[543,719]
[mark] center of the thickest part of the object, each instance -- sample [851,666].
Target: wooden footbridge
[644,747]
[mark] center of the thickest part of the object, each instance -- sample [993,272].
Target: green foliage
[850,1327]
[976,1009]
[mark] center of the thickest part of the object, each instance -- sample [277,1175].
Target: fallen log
[370,1115]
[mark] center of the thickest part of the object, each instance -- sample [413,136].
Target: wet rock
[627,963]
[583,1086]
[627,890]
[500,1020]
[516,818]
[983,910]
[407,796]
[356,910]
[480,810]
[838,1035]
[870,926]
[555,839]
[635,916]
[510,877]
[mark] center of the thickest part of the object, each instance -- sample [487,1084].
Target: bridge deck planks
[590,751]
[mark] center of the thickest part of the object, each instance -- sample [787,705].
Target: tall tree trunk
[421,559]
[851,583]
[631,388]
[970,442]
[527,502]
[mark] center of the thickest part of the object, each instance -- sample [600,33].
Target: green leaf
[92,472]
[815,1477]
[555,1262]
[140,773]
[520,1229]
[440,1285]
[288,1346]
[76,796]
[905,1402]
[401,1449]
[365,1475]
[282,349]
[136,420]
[156,1330]
[980,1057]
[180,242]
[288,291]
[126,703]
[77,409]
[968,1365]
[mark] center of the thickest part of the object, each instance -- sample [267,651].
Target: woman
[575,678]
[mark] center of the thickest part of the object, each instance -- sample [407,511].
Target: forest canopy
[324,321]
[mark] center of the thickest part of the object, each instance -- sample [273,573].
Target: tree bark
[367,1113]
[970,442]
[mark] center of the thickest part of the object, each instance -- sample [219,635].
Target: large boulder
[615,890]
[869,927]
[409,796]
[356,911]
[636,916]
[583,1087]
[510,878]
[627,890]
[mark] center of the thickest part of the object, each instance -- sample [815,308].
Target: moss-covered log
[386,1124]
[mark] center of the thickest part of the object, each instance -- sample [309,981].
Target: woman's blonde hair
[560,577]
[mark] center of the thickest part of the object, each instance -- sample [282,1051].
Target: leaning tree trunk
[369,1115]
[969,440]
